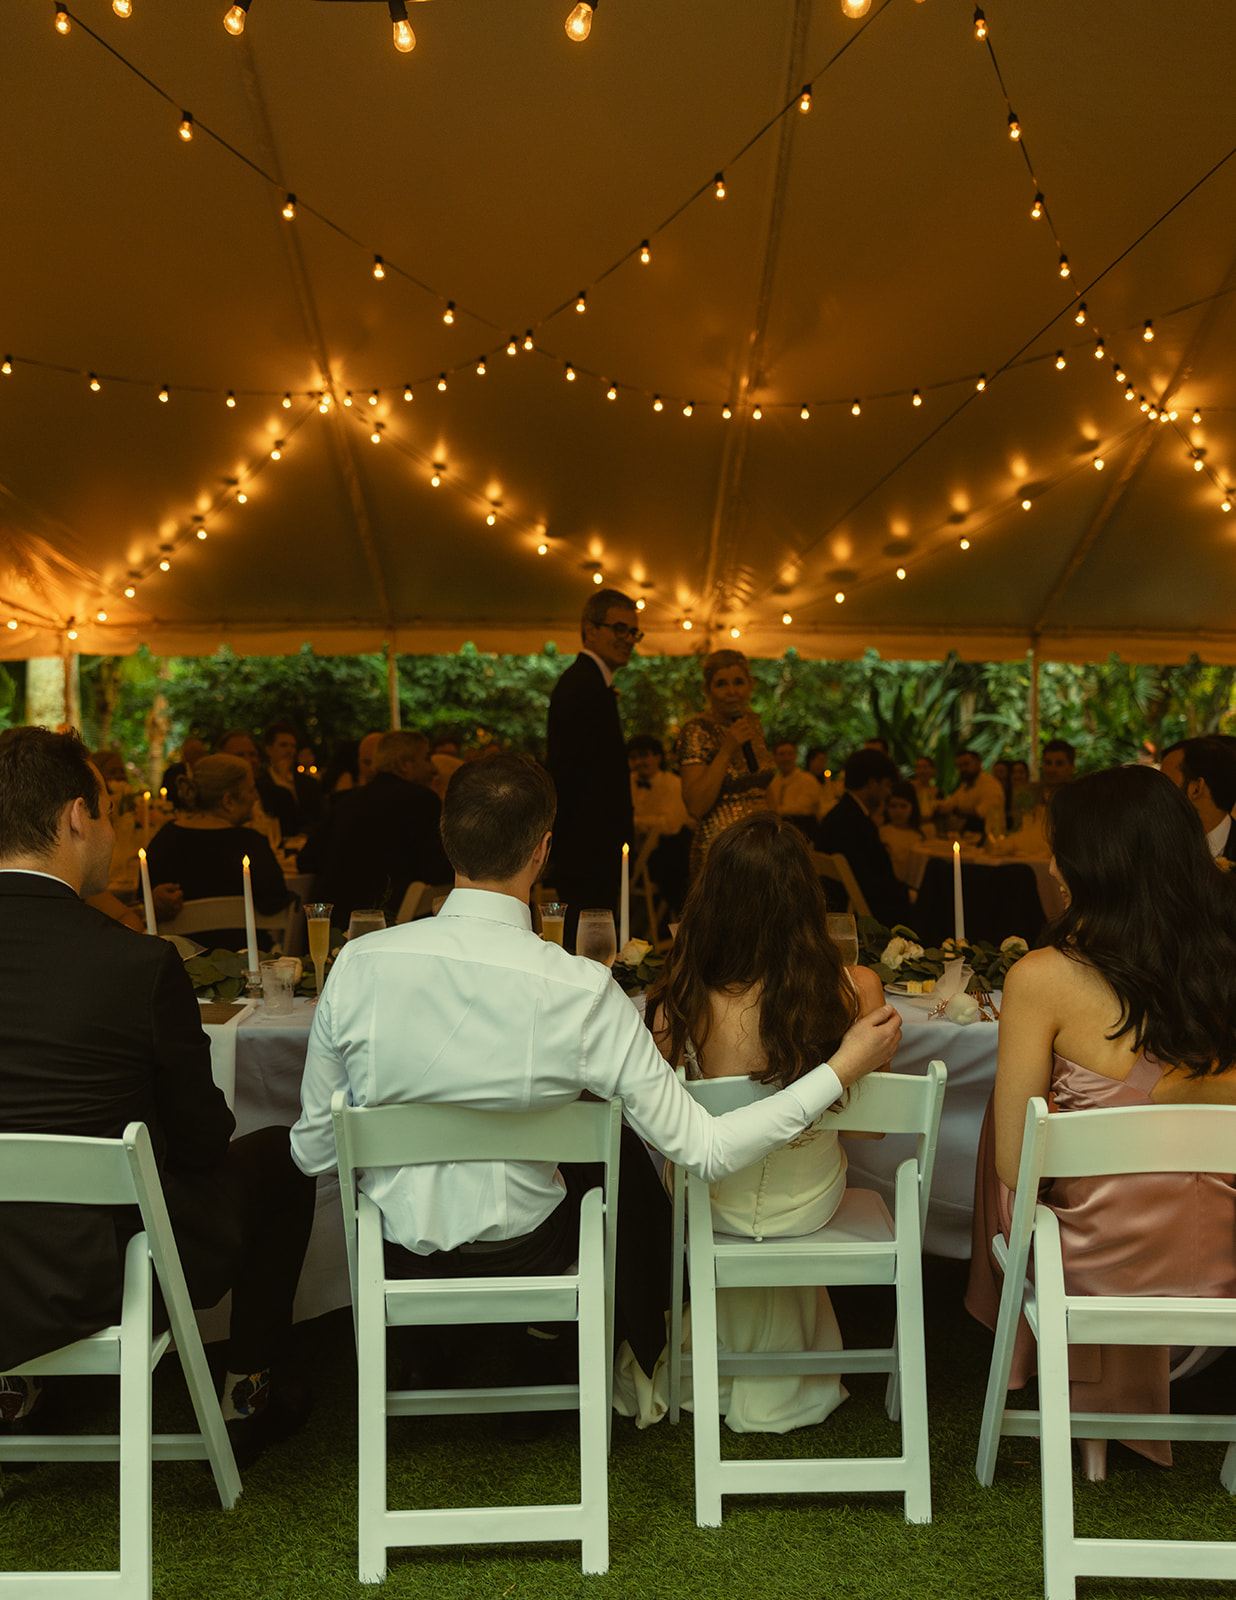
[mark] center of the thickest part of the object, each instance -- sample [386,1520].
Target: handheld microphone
[747,750]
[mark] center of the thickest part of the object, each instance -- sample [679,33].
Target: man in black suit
[1206,770]
[381,837]
[587,760]
[848,830]
[99,1027]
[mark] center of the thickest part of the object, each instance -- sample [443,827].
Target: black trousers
[642,1266]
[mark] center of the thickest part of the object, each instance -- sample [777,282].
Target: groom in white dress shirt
[472,1008]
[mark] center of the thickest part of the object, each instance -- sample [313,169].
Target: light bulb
[1060,361]
[611,393]
[100,616]
[645,254]
[163,394]
[276,453]
[726,413]
[186,126]
[687,409]
[1164,416]
[1227,501]
[286,402]
[640,604]
[1153,414]
[234,19]
[1197,417]
[491,519]
[570,373]
[1120,374]
[122,8]
[436,479]
[856,410]
[442,383]
[735,633]
[375,437]
[528,339]
[963,544]
[982,382]
[839,597]
[581,303]
[130,592]
[1129,392]
[686,624]
[512,348]
[719,189]
[373,397]
[480,368]
[1099,351]
[1148,331]
[597,578]
[1143,404]
[1025,505]
[407,391]
[1198,464]
[1036,210]
[657,404]
[1014,127]
[165,566]
[448,316]
[379,267]
[786,618]
[230,402]
[1064,266]
[980,24]
[805,413]
[72,633]
[242,499]
[201,533]
[347,397]
[324,404]
[756,414]
[541,549]
[916,399]
[1099,463]
[901,572]
[804,99]
[289,207]
[94,383]
[6,366]
[1079,316]
[62,20]
[856,8]
[579,23]
[405,39]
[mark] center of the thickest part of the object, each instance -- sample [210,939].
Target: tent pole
[392,682]
[1034,709]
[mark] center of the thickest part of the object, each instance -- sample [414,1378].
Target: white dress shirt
[982,798]
[660,805]
[795,794]
[471,1008]
[1217,837]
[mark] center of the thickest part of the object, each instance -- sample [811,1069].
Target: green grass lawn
[293,1531]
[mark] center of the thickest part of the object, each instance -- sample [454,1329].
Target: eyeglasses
[623,630]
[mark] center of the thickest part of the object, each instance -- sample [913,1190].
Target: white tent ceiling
[880,243]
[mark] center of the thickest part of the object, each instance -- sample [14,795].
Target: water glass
[843,931]
[279,980]
[362,922]
[553,916]
[596,938]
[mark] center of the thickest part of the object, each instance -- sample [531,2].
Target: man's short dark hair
[597,605]
[1212,760]
[275,729]
[866,764]
[41,772]
[396,746]
[495,814]
[1061,747]
[645,744]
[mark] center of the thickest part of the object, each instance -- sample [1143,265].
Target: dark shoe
[283,1414]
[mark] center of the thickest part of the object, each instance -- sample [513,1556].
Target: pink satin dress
[1168,1233]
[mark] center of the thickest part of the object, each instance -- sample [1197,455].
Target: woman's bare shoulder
[1041,972]
[870,989]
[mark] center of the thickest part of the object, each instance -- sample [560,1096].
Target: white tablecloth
[970,1055]
[1049,889]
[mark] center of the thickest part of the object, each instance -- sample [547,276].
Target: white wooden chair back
[839,870]
[227,911]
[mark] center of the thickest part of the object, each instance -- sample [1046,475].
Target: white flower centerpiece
[896,955]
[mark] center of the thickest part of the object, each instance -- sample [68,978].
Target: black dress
[207,861]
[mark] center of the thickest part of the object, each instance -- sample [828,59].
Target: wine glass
[317,919]
[843,931]
[363,922]
[596,938]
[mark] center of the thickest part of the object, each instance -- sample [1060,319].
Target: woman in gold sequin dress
[718,783]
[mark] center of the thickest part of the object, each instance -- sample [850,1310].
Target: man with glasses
[588,762]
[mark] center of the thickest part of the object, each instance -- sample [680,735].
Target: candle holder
[253,983]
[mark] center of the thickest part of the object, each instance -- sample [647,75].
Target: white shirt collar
[607,672]
[1217,837]
[487,905]
[33,872]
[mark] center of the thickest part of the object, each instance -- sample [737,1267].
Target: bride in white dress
[753,985]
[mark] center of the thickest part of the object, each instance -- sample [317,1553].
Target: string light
[480,367]
[1164,416]
[686,624]
[230,402]
[688,409]
[164,395]
[726,413]
[1061,363]
[645,254]
[439,468]
[1099,463]
[407,391]
[570,373]
[101,616]
[640,604]
[95,384]
[756,414]
[186,126]
[528,343]
[401,28]
[963,544]
[856,8]
[805,413]
[13,621]
[839,597]
[735,633]
[1199,459]
[442,383]
[1036,210]
[1064,266]
[541,549]
[719,186]
[916,399]
[1154,414]
[1129,392]
[1014,127]
[448,316]
[62,20]
[6,366]
[276,453]
[286,402]
[611,393]
[376,436]
[856,410]
[122,8]
[982,382]
[1079,316]
[804,99]
[1148,330]
[901,572]
[597,578]
[579,23]
[200,530]
[347,397]
[1120,375]
[379,267]
[324,404]
[512,348]
[242,499]
[1197,417]
[657,404]
[289,207]
[1099,349]
[1143,403]
[129,592]
[786,618]
[980,24]
[1227,500]
[581,301]
[165,566]
[1026,504]
[72,633]
[493,515]
[234,19]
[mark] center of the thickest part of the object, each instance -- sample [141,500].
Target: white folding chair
[117,1172]
[418,900]
[1130,1139]
[228,911]
[642,887]
[367,1137]
[839,870]
[860,1244]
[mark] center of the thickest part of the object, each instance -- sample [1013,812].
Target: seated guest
[292,797]
[471,1008]
[655,794]
[1206,770]
[1058,765]
[764,996]
[830,790]
[903,831]
[366,758]
[794,793]
[239,742]
[977,796]
[121,1040]
[193,749]
[203,847]
[849,830]
[925,784]
[342,770]
[1132,1003]
[378,839]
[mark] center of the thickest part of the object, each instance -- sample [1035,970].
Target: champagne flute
[553,915]
[317,918]
[843,931]
[595,937]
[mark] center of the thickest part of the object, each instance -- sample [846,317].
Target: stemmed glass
[596,938]
[362,922]
[317,918]
[843,931]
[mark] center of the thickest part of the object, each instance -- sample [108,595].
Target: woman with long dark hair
[1132,1003]
[753,986]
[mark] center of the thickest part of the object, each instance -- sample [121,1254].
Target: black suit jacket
[847,830]
[587,760]
[99,1027]
[375,841]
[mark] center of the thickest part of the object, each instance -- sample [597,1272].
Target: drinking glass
[317,920]
[843,931]
[596,938]
[362,922]
[553,915]
[279,980]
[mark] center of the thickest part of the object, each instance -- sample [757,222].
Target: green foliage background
[1107,709]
